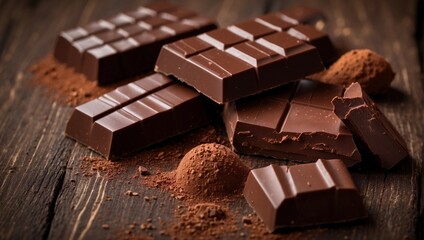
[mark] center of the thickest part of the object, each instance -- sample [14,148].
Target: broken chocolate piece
[294,122]
[356,109]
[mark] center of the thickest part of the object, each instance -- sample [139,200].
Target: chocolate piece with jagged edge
[294,122]
[137,115]
[302,195]
[246,58]
[127,44]
[356,109]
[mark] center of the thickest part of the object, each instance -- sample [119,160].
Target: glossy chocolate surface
[246,58]
[294,122]
[307,194]
[127,44]
[356,109]
[137,115]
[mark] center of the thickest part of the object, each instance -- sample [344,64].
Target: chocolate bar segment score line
[375,132]
[137,115]
[302,195]
[246,58]
[127,44]
[294,122]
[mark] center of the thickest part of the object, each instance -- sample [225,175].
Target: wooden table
[43,195]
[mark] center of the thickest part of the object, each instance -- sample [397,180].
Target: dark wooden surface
[43,195]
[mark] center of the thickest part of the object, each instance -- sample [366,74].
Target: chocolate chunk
[302,195]
[356,109]
[294,122]
[246,58]
[126,44]
[137,115]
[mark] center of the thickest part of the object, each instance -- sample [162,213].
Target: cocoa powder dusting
[364,66]
[91,165]
[66,86]
[203,219]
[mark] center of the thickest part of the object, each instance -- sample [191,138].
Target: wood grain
[44,195]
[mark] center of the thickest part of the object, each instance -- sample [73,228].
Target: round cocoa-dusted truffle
[211,170]
[364,66]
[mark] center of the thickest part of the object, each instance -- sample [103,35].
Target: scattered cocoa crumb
[132,225]
[257,230]
[66,86]
[105,226]
[131,193]
[368,68]
[203,219]
[246,220]
[91,165]
[146,198]
[147,226]
[143,171]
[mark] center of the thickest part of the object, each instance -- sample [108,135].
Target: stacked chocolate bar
[127,44]
[254,69]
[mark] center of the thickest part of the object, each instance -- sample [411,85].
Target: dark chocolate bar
[246,58]
[137,115]
[372,128]
[302,195]
[128,43]
[294,122]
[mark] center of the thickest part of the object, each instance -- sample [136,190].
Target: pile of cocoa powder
[364,66]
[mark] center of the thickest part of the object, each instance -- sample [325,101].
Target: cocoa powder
[364,66]
[64,85]
[203,219]
[211,170]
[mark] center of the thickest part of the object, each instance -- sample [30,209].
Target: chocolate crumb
[105,226]
[131,193]
[202,219]
[246,220]
[143,171]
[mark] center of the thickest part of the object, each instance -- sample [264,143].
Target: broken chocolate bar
[127,44]
[294,122]
[246,58]
[356,109]
[137,115]
[303,195]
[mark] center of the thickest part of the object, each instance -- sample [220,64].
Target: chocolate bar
[137,115]
[303,195]
[356,109]
[126,44]
[302,15]
[246,58]
[294,122]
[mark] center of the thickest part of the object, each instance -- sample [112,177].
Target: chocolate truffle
[211,170]
[364,66]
